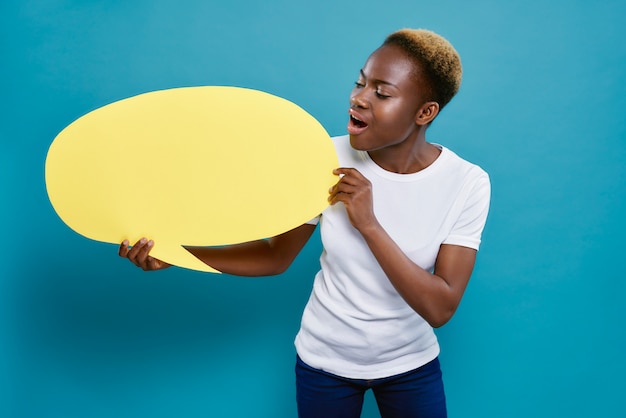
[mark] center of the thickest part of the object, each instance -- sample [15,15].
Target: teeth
[357,119]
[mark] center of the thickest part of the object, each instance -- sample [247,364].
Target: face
[385,101]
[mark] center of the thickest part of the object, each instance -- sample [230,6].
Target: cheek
[396,117]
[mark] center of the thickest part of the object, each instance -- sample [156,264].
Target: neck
[406,158]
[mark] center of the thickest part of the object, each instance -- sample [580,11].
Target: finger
[123,250]
[333,199]
[151,263]
[350,184]
[345,185]
[353,177]
[341,193]
[343,180]
[134,250]
[342,170]
[348,172]
[143,253]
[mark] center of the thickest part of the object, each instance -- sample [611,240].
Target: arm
[435,296]
[255,258]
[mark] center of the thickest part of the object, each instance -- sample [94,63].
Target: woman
[400,239]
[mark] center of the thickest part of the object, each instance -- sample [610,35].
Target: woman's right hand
[139,255]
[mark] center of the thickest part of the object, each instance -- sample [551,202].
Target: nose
[357,99]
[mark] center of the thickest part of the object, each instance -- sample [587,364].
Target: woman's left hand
[355,191]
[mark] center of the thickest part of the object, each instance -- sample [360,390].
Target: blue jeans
[415,394]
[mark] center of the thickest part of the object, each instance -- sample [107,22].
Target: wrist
[370,229]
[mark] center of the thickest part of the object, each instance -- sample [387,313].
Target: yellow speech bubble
[201,166]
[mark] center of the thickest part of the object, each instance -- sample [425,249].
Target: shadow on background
[92,339]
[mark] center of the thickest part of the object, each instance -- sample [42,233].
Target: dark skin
[391,122]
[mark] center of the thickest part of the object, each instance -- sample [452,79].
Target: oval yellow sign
[201,166]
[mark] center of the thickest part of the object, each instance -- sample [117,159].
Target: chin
[359,143]
[356,144]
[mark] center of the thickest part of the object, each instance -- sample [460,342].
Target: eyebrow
[377,81]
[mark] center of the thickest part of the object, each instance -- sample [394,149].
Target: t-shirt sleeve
[314,221]
[468,228]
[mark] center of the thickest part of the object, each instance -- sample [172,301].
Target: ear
[427,113]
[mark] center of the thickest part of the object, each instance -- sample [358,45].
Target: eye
[381,95]
[359,84]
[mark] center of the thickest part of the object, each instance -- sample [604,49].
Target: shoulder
[348,156]
[463,167]
[341,142]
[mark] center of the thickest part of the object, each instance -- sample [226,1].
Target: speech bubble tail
[179,256]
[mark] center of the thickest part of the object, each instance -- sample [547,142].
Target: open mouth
[356,125]
[357,122]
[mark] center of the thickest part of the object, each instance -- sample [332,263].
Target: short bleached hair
[437,61]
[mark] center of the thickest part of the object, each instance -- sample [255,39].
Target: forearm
[434,296]
[256,258]
[248,259]
[427,294]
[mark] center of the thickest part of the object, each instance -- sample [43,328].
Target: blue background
[540,331]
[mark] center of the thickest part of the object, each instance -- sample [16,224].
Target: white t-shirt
[355,323]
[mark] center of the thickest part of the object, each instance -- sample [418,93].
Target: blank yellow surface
[200,166]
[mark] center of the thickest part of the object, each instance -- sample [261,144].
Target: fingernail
[150,243]
[142,241]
